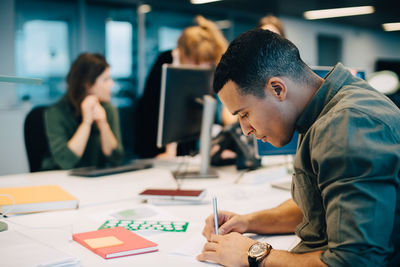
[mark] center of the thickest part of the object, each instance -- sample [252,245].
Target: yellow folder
[35,199]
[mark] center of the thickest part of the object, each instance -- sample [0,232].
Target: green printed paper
[166,226]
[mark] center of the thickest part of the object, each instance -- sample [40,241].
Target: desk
[109,194]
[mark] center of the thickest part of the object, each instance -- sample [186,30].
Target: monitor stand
[209,107]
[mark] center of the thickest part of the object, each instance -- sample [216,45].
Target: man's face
[269,118]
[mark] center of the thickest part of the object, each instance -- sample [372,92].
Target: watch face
[257,250]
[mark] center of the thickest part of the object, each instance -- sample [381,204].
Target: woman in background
[202,44]
[273,24]
[83,127]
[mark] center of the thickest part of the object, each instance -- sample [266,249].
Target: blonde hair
[203,43]
[274,21]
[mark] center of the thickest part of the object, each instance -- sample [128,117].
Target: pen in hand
[215,215]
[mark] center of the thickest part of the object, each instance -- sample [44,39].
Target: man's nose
[246,127]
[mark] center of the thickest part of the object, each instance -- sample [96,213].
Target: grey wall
[361,48]
[7,32]
[12,149]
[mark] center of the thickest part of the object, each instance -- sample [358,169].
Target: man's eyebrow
[237,111]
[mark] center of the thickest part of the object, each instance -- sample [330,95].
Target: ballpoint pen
[215,215]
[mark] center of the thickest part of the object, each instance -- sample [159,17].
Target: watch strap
[252,261]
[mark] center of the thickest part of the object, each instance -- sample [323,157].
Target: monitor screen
[266,149]
[182,91]
[322,71]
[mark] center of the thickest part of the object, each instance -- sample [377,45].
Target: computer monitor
[322,71]
[266,149]
[187,111]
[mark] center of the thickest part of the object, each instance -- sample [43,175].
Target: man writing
[345,204]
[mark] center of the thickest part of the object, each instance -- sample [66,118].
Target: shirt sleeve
[356,158]
[113,120]
[57,136]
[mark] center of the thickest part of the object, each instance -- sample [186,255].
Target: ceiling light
[391,26]
[338,12]
[198,2]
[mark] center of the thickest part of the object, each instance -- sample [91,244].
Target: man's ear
[277,87]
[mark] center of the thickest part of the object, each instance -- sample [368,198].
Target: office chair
[35,137]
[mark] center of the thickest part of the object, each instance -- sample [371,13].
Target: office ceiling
[386,11]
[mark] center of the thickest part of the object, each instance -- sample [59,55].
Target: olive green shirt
[346,179]
[61,124]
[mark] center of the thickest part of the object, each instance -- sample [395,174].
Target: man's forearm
[282,219]
[278,258]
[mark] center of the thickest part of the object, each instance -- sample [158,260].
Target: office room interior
[40,39]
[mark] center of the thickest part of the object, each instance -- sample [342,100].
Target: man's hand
[227,222]
[227,250]
[231,250]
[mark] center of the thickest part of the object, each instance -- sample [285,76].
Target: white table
[109,194]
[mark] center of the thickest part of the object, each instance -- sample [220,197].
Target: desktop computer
[322,71]
[187,111]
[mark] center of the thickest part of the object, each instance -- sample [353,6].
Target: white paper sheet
[18,250]
[194,245]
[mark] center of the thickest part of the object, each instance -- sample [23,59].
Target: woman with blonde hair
[272,23]
[201,44]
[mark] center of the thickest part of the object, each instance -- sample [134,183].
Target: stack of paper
[18,250]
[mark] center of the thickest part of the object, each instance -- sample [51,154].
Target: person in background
[201,45]
[345,205]
[82,128]
[273,24]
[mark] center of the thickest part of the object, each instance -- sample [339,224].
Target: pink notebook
[115,242]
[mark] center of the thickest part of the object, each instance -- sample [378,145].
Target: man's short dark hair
[254,57]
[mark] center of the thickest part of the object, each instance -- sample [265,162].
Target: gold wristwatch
[257,253]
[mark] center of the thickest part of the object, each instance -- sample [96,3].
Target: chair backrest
[35,138]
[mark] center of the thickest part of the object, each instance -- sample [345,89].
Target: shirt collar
[334,80]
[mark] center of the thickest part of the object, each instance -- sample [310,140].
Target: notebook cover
[36,198]
[133,243]
[172,192]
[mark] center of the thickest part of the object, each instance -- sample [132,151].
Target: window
[329,49]
[168,38]
[42,51]
[119,48]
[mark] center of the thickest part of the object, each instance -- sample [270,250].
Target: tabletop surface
[105,197]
